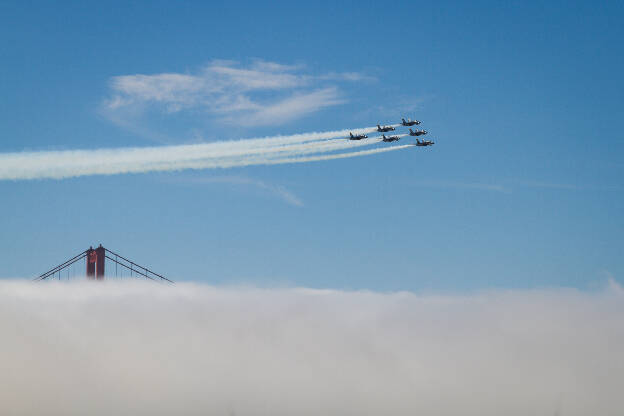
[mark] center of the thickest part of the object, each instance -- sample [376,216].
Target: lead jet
[409,122]
[424,143]
[384,128]
[390,139]
[357,136]
[417,132]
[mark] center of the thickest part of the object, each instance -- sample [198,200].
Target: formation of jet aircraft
[389,139]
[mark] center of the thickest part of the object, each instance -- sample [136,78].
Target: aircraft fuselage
[390,139]
[410,123]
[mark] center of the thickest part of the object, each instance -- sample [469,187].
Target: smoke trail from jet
[265,151]
[306,148]
[289,160]
[299,138]
[225,163]
[63,164]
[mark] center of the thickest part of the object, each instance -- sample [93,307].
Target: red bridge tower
[95,262]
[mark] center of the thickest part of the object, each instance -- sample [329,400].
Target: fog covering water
[140,348]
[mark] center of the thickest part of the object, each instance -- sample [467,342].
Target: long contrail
[256,161]
[288,160]
[65,164]
[269,150]
[295,138]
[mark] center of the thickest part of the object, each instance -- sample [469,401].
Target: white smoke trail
[72,163]
[289,160]
[225,163]
[299,149]
[63,164]
[340,155]
[299,138]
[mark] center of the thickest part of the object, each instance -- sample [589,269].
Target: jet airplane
[417,132]
[390,139]
[424,143]
[384,128]
[409,122]
[357,136]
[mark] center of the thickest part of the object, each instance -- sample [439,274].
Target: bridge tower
[96,261]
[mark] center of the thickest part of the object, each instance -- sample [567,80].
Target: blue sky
[522,189]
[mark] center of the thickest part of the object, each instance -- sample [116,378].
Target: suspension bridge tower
[96,263]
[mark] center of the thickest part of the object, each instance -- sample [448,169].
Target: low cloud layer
[132,348]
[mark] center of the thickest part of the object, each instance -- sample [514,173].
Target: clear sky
[523,188]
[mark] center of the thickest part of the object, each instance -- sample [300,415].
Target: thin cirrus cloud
[267,93]
[277,191]
[464,185]
[295,106]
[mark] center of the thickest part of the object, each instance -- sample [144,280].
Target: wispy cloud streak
[278,191]
[230,92]
[464,185]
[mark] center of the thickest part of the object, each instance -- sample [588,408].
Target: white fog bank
[131,348]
